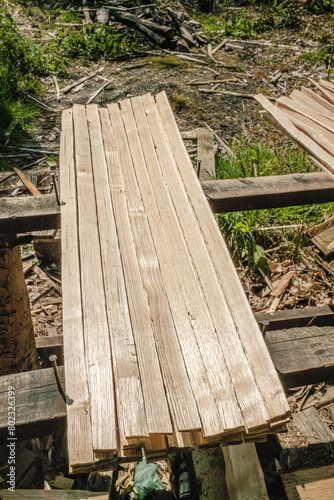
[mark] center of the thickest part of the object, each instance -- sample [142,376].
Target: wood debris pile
[159,339]
[308,118]
[164,28]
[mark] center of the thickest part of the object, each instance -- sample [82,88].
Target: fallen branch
[55,81]
[97,92]
[28,184]
[66,89]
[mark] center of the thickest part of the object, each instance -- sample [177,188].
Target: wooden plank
[253,193]
[129,396]
[40,409]
[206,154]
[314,101]
[328,94]
[324,238]
[303,109]
[310,424]
[244,475]
[178,259]
[299,137]
[154,394]
[310,484]
[49,342]
[291,318]
[318,99]
[78,424]
[307,121]
[28,213]
[303,355]
[96,331]
[246,325]
[169,245]
[174,373]
[228,347]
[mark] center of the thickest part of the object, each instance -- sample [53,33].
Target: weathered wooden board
[303,355]
[253,343]
[29,213]
[244,475]
[79,422]
[310,484]
[253,193]
[40,409]
[205,154]
[291,318]
[52,495]
[167,341]
[156,408]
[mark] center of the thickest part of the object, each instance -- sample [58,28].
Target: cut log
[17,340]
[138,24]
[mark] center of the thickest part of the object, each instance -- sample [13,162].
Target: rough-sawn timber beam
[37,213]
[29,213]
[253,193]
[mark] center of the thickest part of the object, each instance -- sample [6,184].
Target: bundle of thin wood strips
[160,342]
[308,118]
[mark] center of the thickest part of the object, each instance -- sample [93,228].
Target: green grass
[245,232]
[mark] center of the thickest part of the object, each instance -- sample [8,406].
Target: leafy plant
[291,14]
[20,61]
[247,232]
[91,43]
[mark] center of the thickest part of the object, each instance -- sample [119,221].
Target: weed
[243,230]
[20,61]
[179,102]
[290,14]
[91,43]
[325,55]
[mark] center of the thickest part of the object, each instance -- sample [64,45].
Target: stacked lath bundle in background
[160,342]
[307,116]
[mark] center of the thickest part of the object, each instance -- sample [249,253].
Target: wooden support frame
[29,213]
[253,193]
[38,213]
[40,409]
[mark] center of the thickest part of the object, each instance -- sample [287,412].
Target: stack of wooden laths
[308,118]
[160,343]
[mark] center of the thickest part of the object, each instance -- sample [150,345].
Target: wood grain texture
[244,474]
[78,423]
[171,360]
[310,484]
[252,193]
[299,137]
[156,407]
[230,361]
[40,409]
[246,325]
[169,344]
[27,213]
[205,154]
[129,397]
[96,330]
[169,245]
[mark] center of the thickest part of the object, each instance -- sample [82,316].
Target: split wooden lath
[159,339]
